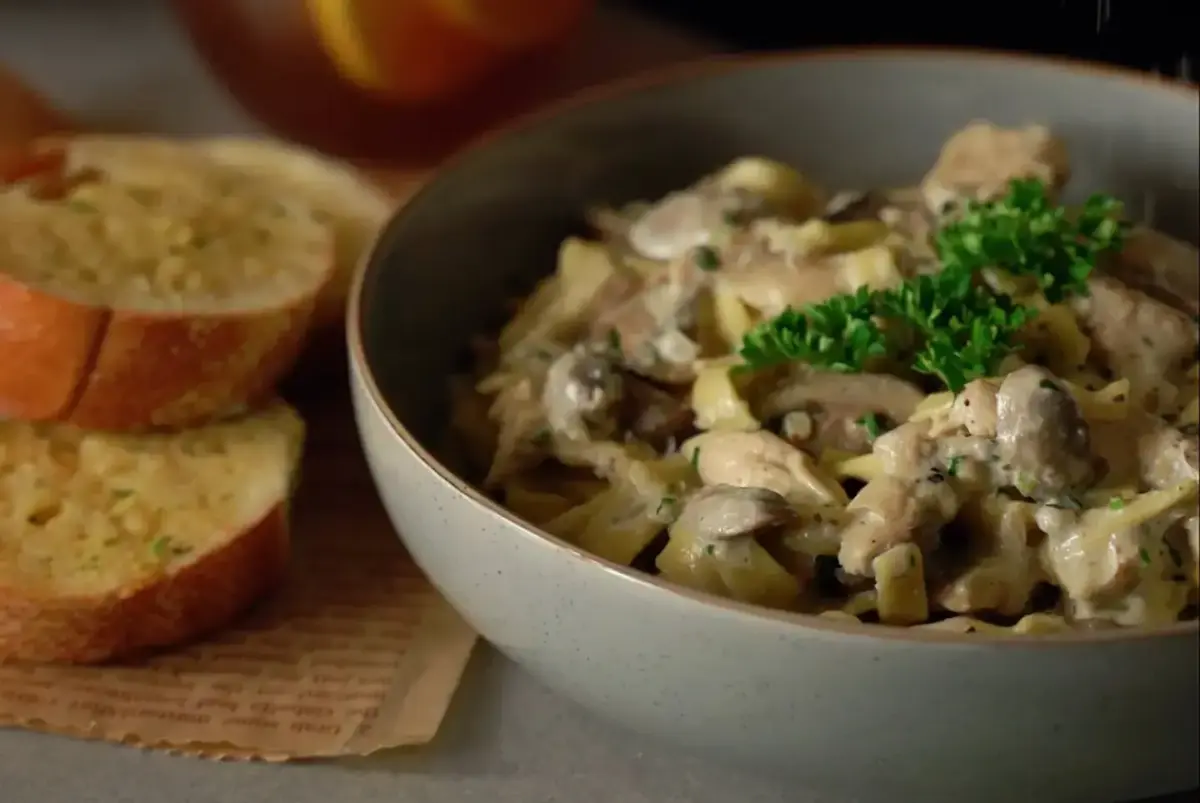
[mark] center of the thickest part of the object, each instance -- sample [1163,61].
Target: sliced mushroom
[887,395]
[654,415]
[723,512]
[714,546]
[1042,436]
[822,428]
[705,212]
[580,394]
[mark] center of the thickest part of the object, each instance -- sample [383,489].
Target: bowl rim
[678,73]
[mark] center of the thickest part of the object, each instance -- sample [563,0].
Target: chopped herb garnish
[696,459]
[1047,384]
[122,493]
[667,503]
[952,466]
[839,335]
[709,549]
[1145,556]
[1026,235]
[707,258]
[1116,503]
[949,324]
[161,547]
[614,340]
[870,423]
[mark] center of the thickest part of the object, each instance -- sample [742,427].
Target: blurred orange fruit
[417,50]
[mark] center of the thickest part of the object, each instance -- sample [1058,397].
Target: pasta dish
[959,405]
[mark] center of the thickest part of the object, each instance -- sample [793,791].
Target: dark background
[1153,35]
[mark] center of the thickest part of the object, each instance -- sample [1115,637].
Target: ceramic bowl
[865,712]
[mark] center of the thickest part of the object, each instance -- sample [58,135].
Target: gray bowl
[864,712]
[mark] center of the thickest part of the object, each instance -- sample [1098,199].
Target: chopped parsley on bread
[111,544]
[143,285]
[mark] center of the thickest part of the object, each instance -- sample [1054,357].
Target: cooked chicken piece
[1145,341]
[1004,569]
[1145,450]
[1086,569]
[1041,435]
[1167,457]
[889,396]
[974,408]
[760,459]
[647,327]
[580,395]
[890,511]
[906,451]
[1160,266]
[979,162]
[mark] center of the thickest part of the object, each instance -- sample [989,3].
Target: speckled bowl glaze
[862,712]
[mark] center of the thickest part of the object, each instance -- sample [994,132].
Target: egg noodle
[955,406]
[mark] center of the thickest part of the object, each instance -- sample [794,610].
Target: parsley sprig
[840,333]
[949,324]
[1025,234]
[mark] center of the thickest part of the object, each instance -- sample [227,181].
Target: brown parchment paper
[355,654]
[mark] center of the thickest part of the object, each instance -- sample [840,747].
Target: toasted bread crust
[166,371]
[126,371]
[111,368]
[46,345]
[174,608]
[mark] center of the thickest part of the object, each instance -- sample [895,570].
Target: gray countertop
[506,740]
